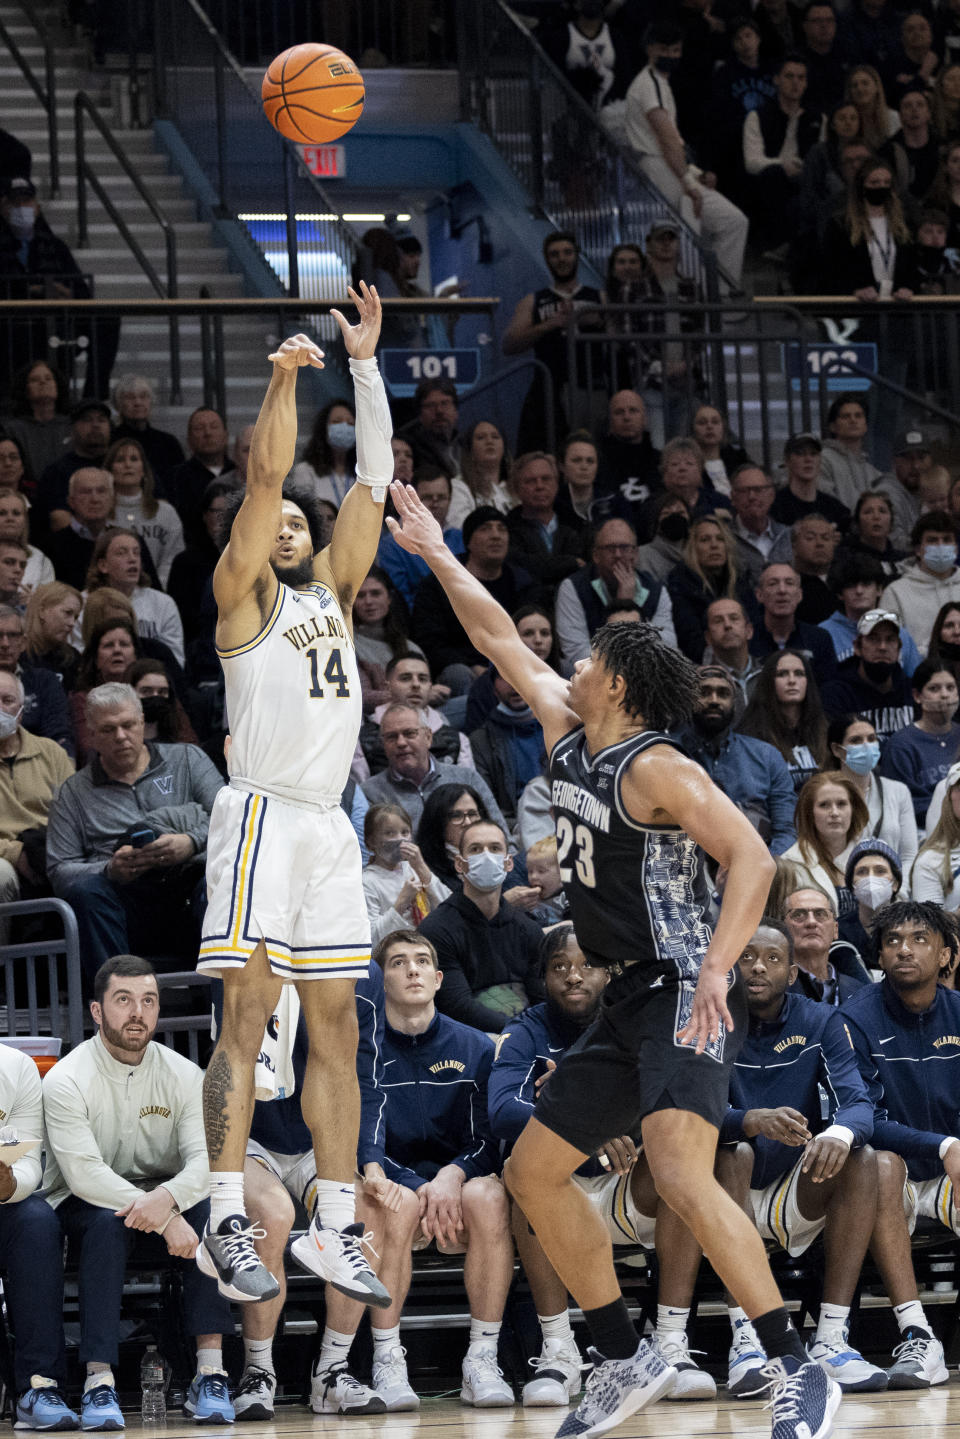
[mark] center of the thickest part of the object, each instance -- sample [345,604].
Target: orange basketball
[312,94]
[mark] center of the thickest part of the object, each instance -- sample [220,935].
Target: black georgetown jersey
[630,886]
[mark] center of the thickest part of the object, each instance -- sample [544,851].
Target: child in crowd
[543,872]
[398,885]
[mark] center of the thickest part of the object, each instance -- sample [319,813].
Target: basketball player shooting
[285,899]
[630,809]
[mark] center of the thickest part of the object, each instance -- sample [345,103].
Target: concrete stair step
[117,260]
[136,286]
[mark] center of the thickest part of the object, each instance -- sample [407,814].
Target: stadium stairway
[116,272]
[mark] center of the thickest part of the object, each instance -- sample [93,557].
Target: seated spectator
[777,137]
[802,494]
[868,252]
[136,506]
[749,771]
[739,86]
[37,264]
[580,499]
[31,1244]
[412,773]
[652,134]
[436,627]
[195,564]
[39,398]
[912,67]
[721,456]
[870,531]
[619,1185]
[855,754]
[437,1143]
[381,626]
[408,682]
[329,460]
[831,816]
[543,872]
[912,460]
[829,970]
[484,477]
[932,580]
[814,541]
[760,540]
[921,753]
[845,468]
[582,599]
[165,720]
[133,397]
[727,632]
[45,710]
[407,571]
[32,771]
[779,593]
[110,1174]
[785,710]
[914,1103]
[15,526]
[15,475]
[780,28]
[535,628]
[915,148]
[936,870]
[14,556]
[671,529]
[90,497]
[446,810]
[874,876]
[629,462]
[116,563]
[540,542]
[52,612]
[944,645]
[857,581]
[795,1051]
[207,441]
[489,949]
[864,89]
[398,886]
[826,71]
[433,434]
[508,748]
[107,603]
[709,572]
[89,442]
[127,834]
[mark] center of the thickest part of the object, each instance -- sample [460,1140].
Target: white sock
[210,1361]
[334,1349]
[98,1376]
[671,1321]
[484,1334]
[384,1340]
[258,1353]
[911,1316]
[740,1324]
[833,1319]
[336,1204]
[556,1327]
[226,1197]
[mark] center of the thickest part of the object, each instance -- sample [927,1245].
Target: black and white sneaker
[228,1256]
[335,1391]
[337,1256]
[255,1393]
[918,1362]
[804,1400]
[616,1389]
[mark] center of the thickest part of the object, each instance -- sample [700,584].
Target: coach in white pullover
[126,1152]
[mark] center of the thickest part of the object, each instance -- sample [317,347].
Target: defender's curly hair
[661,684]
[299,496]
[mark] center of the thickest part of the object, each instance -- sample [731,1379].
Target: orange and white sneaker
[336,1255]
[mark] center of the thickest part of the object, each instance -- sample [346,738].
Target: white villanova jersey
[293,700]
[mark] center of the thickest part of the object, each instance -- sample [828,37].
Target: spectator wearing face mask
[855,754]
[330,456]
[874,876]
[398,885]
[931,582]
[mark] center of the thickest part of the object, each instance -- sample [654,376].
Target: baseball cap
[912,442]
[84,407]
[20,188]
[664,222]
[800,442]
[868,623]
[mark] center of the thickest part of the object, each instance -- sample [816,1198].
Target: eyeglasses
[820,915]
[463,816]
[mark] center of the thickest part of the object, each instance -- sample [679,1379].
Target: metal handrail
[84,106]
[46,93]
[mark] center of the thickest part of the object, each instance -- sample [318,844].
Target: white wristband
[946,1145]
[838,1131]
[374,429]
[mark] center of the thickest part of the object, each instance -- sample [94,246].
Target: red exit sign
[328,162]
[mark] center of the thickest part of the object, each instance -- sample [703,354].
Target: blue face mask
[862,758]
[341,435]
[486,871]
[940,558]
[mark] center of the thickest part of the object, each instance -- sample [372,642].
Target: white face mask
[21,219]
[9,723]
[486,871]
[873,891]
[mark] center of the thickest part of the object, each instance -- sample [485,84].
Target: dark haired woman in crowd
[944,646]
[164,718]
[446,810]
[870,531]
[330,458]
[721,454]
[785,710]
[40,399]
[855,753]
[381,626]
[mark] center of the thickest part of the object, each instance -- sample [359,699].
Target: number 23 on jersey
[582,838]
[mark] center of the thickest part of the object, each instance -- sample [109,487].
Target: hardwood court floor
[934,1414]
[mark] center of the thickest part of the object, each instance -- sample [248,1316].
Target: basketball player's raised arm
[490,628]
[245,562]
[357,531]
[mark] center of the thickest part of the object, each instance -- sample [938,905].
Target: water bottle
[153,1401]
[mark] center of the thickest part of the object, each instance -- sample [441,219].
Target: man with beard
[749,771]
[617,1181]
[283,864]
[540,324]
[433,436]
[125,1153]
